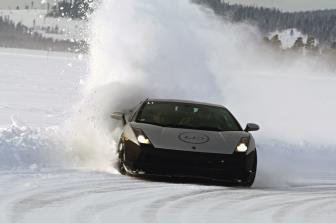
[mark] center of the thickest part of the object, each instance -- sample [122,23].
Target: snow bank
[22,147]
[284,164]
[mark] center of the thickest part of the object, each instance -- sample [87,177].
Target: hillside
[319,24]
[32,29]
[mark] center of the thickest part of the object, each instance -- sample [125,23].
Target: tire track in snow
[320,209]
[152,211]
[65,195]
[50,197]
[61,197]
[92,212]
[47,192]
[304,205]
[191,209]
[92,197]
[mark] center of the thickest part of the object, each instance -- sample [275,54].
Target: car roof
[184,101]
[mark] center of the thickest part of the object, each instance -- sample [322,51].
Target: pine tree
[310,43]
[292,32]
[78,9]
[312,46]
[276,42]
[299,44]
[333,45]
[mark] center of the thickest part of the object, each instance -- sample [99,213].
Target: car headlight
[143,140]
[141,137]
[243,145]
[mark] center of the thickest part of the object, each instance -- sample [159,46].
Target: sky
[286,5]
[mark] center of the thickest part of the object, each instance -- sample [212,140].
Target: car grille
[166,159]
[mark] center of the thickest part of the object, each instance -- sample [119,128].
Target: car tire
[250,179]
[121,159]
[121,168]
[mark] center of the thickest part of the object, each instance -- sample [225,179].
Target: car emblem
[193,137]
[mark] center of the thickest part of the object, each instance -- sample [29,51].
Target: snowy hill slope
[67,29]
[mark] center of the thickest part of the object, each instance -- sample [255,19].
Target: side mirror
[251,127]
[119,116]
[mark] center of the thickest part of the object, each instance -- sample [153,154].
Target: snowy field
[39,181]
[73,196]
[38,87]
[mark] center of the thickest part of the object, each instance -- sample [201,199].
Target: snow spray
[176,49]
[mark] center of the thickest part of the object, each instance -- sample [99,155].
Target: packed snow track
[83,197]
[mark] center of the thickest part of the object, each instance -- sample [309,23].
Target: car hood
[192,140]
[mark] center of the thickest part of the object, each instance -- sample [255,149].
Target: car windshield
[188,116]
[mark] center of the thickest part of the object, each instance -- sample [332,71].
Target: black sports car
[186,138]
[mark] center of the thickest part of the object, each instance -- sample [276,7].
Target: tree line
[76,9]
[319,24]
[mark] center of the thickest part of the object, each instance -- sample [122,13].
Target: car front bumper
[147,160]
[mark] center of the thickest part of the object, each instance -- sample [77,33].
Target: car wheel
[249,181]
[252,175]
[121,159]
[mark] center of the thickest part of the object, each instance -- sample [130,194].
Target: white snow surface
[38,87]
[57,141]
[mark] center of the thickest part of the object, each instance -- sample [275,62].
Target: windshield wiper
[209,128]
[206,128]
[154,123]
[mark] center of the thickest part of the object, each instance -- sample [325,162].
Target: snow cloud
[181,50]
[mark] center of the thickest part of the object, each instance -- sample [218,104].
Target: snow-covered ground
[87,197]
[40,181]
[31,82]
